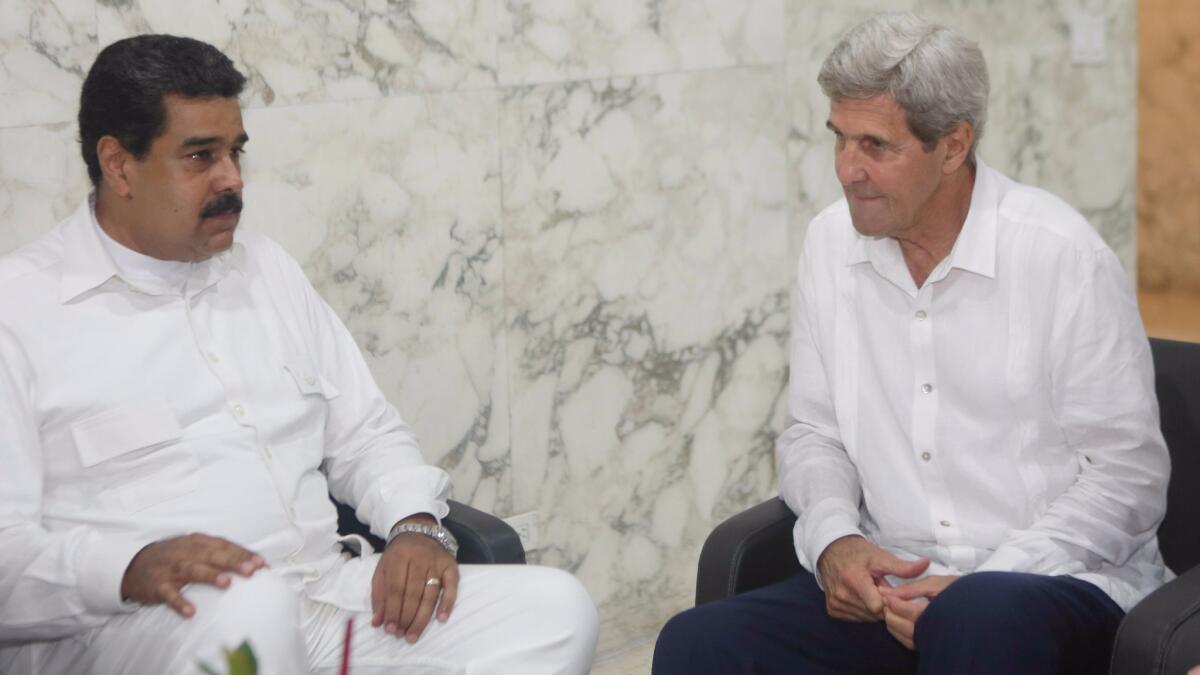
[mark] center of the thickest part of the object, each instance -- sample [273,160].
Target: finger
[377,583]
[170,595]
[907,610]
[867,594]
[393,602]
[424,611]
[921,588]
[886,563]
[414,592]
[229,556]
[199,572]
[846,611]
[900,627]
[449,592]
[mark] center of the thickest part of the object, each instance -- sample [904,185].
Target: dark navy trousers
[988,622]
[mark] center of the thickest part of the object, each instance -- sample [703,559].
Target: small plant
[241,661]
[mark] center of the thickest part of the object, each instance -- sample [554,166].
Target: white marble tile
[632,660]
[42,181]
[551,40]
[393,208]
[331,50]
[646,288]
[45,49]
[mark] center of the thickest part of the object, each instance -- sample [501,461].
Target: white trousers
[508,619]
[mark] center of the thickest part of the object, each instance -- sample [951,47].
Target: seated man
[973,451]
[177,404]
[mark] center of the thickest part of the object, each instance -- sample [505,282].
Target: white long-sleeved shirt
[1000,417]
[130,412]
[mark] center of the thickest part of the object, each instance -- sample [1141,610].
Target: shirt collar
[87,265]
[975,248]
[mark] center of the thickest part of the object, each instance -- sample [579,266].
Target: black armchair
[1160,635]
[482,537]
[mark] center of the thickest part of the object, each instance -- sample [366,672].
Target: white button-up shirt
[132,412]
[1000,417]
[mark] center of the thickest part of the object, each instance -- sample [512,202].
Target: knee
[691,637]
[983,601]
[563,601]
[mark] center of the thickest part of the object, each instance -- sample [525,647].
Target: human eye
[200,155]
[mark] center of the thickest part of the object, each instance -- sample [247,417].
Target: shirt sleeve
[1102,384]
[372,459]
[816,477]
[52,585]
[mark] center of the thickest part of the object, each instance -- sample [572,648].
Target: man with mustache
[176,406]
[973,450]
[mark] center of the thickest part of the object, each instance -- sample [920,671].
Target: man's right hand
[850,568]
[158,573]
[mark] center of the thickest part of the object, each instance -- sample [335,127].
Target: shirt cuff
[1006,559]
[102,569]
[825,523]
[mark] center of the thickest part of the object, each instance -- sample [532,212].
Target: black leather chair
[482,537]
[1160,635]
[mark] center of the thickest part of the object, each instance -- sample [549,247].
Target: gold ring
[433,581]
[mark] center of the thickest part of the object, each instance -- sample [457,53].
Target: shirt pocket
[122,430]
[309,380]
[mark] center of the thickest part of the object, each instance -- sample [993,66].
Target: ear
[115,165]
[958,146]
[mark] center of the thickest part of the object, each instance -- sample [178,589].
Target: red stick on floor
[346,648]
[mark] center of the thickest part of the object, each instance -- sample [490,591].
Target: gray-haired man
[973,452]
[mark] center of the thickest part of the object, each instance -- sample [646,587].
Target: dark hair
[123,93]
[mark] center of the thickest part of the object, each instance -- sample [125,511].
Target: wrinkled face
[186,193]
[886,173]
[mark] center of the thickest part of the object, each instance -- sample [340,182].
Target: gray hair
[938,77]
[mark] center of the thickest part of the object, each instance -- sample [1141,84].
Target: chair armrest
[482,537]
[749,550]
[1161,634]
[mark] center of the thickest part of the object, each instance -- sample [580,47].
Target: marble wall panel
[1168,153]
[393,209]
[328,50]
[647,296]
[45,49]
[42,180]
[551,40]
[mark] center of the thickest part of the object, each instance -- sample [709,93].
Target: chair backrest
[1177,381]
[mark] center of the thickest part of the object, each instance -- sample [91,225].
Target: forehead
[209,117]
[877,116]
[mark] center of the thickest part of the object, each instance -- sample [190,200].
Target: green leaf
[242,661]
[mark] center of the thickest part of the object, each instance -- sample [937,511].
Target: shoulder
[1028,211]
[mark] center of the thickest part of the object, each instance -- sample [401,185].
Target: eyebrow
[195,141]
[870,137]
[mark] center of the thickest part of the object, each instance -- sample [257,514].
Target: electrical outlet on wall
[526,525]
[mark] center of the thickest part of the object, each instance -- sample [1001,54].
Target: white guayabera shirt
[1000,417]
[229,404]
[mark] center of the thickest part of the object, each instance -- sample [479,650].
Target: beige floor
[1171,315]
[634,660]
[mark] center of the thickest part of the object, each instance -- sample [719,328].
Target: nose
[848,163]
[227,175]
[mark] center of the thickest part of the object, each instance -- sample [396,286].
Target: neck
[932,240]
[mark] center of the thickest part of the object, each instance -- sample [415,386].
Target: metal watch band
[436,532]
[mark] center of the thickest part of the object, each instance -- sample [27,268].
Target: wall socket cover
[526,525]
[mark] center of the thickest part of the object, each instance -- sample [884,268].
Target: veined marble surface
[555,40]
[331,50]
[647,280]
[564,231]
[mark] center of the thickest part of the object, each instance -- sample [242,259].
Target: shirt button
[310,380]
[212,358]
[292,513]
[926,456]
[267,451]
[238,409]
[927,388]
[921,315]
[945,523]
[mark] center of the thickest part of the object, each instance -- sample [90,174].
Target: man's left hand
[404,592]
[903,605]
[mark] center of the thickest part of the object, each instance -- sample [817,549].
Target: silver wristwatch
[438,533]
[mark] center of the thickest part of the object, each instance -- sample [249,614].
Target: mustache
[226,202]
